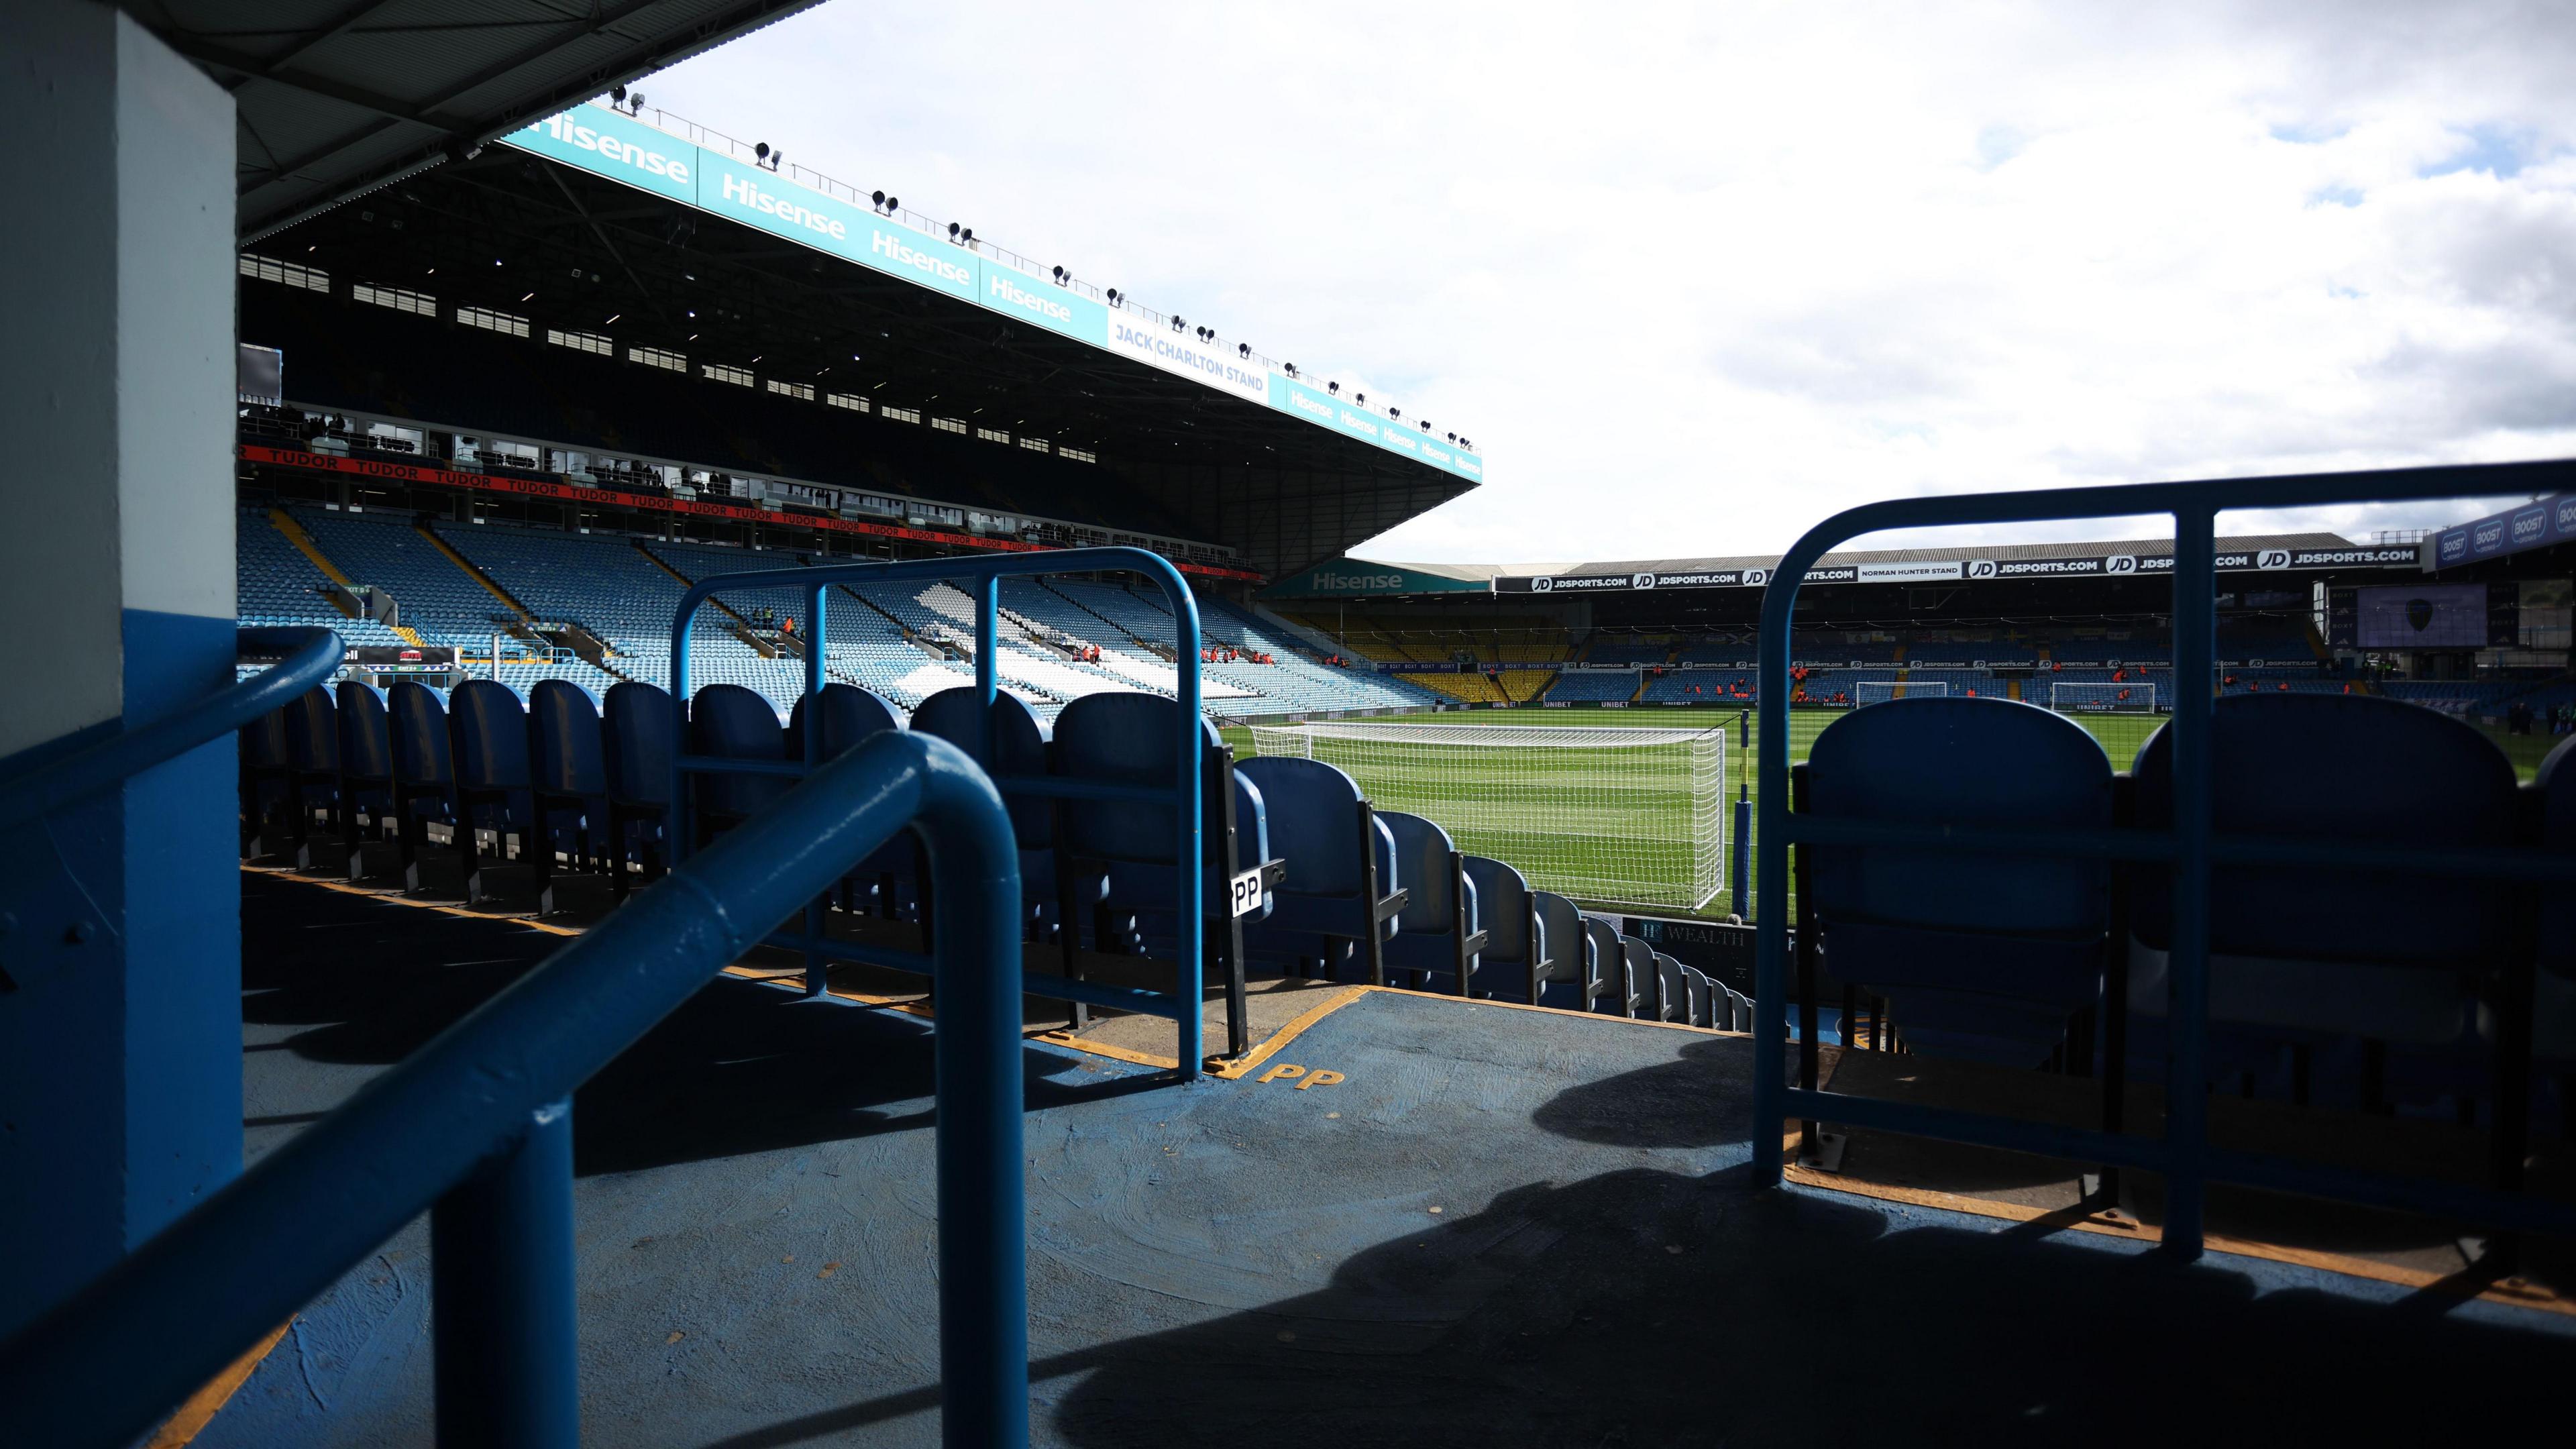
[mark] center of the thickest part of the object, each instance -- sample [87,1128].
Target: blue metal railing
[308,657]
[2183,1155]
[476,1127]
[984,576]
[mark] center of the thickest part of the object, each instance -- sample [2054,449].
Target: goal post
[2132,697]
[1880,691]
[1608,814]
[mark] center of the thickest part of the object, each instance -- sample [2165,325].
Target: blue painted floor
[1500,1227]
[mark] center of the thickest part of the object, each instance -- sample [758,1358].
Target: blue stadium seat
[1672,988]
[568,772]
[2310,956]
[312,766]
[366,765]
[1606,990]
[1565,953]
[1341,897]
[1128,739]
[731,722]
[1645,982]
[1983,957]
[1439,937]
[1515,936]
[850,715]
[635,757]
[1020,745]
[488,736]
[265,770]
[424,770]
[1703,996]
[2554,989]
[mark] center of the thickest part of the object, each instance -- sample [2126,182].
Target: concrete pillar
[120,1035]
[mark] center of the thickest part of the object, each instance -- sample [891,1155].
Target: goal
[2135,697]
[1880,691]
[1607,814]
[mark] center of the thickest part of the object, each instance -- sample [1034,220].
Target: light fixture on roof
[1176,322]
[1334,388]
[1113,296]
[635,104]
[766,157]
[1243,349]
[1395,412]
[1062,276]
[1358,397]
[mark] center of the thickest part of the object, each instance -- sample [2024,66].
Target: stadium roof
[339,97]
[565,247]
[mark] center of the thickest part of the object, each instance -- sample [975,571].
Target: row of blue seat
[1354,893]
[2020,960]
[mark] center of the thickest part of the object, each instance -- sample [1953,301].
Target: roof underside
[343,98]
[580,250]
[337,97]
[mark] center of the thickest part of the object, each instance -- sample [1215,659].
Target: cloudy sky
[1694,277]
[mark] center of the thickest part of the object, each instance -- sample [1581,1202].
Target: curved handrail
[104,1367]
[985,575]
[311,655]
[2184,1155]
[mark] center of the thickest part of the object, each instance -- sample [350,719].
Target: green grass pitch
[1639,830]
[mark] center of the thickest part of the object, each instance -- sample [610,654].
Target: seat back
[2556,787]
[850,714]
[1125,739]
[1313,812]
[1672,989]
[1564,946]
[635,746]
[313,732]
[1703,996]
[1608,964]
[1645,982]
[366,736]
[263,742]
[565,748]
[1422,851]
[488,732]
[733,723]
[422,758]
[1503,908]
[2358,770]
[1020,742]
[1962,761]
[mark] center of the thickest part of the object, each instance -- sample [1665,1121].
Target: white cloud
[1694,278]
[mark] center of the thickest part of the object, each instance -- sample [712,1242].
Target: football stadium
[652,799]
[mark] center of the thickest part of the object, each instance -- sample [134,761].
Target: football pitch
[1635,829]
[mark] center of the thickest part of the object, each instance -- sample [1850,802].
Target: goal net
[1880,691]
[2135,697]
[1631,816]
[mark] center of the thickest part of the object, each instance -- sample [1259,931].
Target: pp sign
[1247,892]
[1291,1072]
